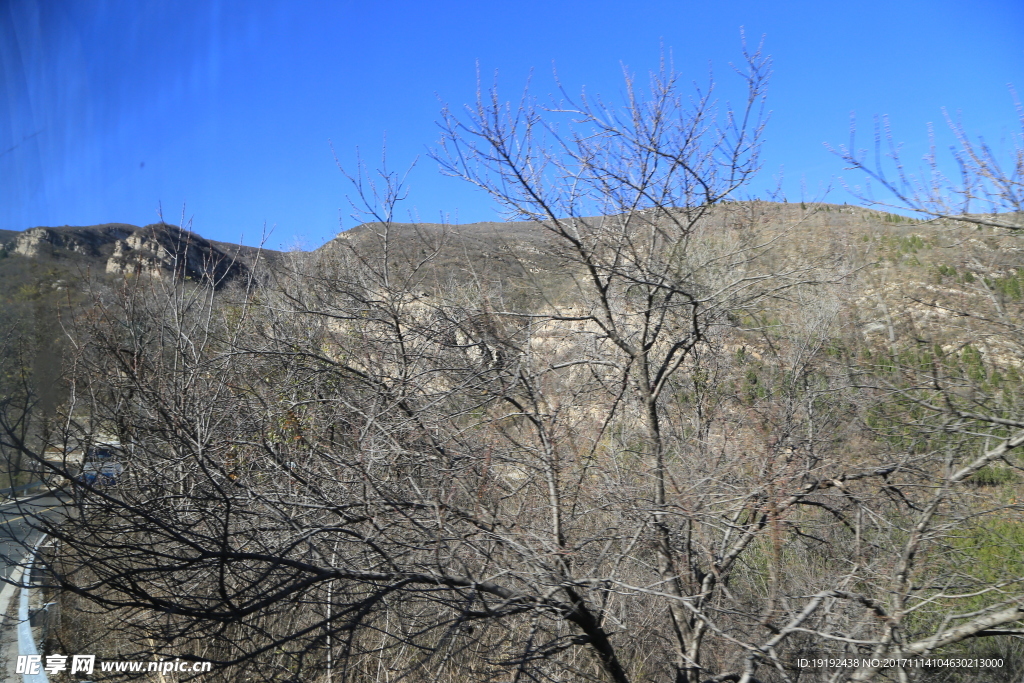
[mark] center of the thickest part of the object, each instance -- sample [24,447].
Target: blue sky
[110,109]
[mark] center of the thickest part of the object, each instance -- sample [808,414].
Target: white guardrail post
[26,642]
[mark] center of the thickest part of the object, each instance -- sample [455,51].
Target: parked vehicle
[101,465]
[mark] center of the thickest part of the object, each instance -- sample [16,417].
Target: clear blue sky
[111,108]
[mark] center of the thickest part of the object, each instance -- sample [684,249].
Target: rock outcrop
[158,250]
[163,250]
[37,242]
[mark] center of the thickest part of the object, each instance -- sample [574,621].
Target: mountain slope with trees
[645,433]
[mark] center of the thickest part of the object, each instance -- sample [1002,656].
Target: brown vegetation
[663,436]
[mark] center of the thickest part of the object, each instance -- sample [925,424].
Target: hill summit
[159,249]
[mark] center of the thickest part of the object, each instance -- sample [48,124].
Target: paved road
[16,522]
[17,536]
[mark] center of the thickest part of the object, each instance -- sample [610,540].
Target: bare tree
[950,390]
[356,468]
[988,189]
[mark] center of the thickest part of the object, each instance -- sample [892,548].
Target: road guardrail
[7,494]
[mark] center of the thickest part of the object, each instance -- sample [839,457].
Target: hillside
[900,269]
[118,248]
[759,409]
[47,271]
[899,276]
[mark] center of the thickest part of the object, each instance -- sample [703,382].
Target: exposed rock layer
[158,250]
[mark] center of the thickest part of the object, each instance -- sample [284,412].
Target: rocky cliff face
[164,251]
[158,250]
[37,242]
